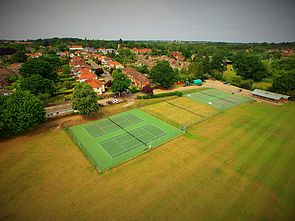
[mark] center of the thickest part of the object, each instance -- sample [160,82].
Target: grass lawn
[180,111]
[262,85]
[228,75]
[236,165]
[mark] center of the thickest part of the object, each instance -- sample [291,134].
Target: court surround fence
[102,159]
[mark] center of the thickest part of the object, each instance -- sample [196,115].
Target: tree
[36,84]
[99,71]
[216,63]
[52,59]
[147,89]
[186,52]
[249,67]
[66,71]
[20,111]
[120,81]
[163,74]
[142,69]
[284,82]
[19,57]
[85,99]
[7,51]
[37,66]
[109,83]
[195,71]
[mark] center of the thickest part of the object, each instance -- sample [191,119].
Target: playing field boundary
[130,140]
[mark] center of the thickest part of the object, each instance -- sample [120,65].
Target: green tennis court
[218,99]
[103,127]
[118,138]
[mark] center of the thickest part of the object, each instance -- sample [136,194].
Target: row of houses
[141,50]
[107,62]
[150,61]
[287,52]
[137,78]
[82,71]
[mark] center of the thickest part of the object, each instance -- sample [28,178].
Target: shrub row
[176,93]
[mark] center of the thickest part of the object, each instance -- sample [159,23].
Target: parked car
[115,101]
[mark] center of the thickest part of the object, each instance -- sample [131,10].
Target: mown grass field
[262,85]
[180,111]
[236,165]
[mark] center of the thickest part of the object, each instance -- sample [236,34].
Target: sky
[198,20]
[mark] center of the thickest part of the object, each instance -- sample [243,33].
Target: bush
[176,93]
[147,89]
[239,82]
[109,83]
[133,89]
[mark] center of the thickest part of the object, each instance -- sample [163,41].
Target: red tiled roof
[116,63]
[75,46]
[135,75]
[175,53]
[15,66]
[78,61]
[98,56]
[94,83]
[86,74]
[142,50]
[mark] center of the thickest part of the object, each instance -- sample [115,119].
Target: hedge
[175,93]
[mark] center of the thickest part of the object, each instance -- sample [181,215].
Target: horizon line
[164,40]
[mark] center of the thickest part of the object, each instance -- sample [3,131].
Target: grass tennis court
[118,138]
[180,111]
[218,99]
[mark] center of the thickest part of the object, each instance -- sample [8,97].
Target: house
[75,47]
[137,78]
[86,74]
[270,96]
[34,55]
[185,65]
[88,55]
[177,55]
[105,60]
[15,66]
[288,52]
[78,62]
[98,56]
[142,50]
[4,92]
[97,85]
[89,49]
[229,65]
[114,65]
[106,50]
[63,54]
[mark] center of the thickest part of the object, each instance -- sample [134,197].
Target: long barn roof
[269,95]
